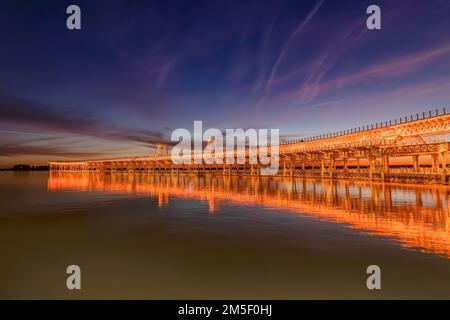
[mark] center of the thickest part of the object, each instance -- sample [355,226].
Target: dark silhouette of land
[26,167]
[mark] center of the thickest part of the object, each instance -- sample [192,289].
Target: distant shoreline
[11,169]
[26,167]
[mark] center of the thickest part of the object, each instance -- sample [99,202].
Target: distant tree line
[27,167]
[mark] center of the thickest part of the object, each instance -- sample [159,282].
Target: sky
[137,70]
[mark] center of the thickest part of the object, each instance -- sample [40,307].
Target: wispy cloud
[293,35]
[14,149]
[395,68]
[47,118]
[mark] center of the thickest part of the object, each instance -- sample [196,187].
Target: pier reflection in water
[417,216]
[225,237]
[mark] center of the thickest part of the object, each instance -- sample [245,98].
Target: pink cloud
[395,68]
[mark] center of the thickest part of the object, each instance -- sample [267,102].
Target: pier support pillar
[322,167]
[345,163]
[416,163]
[384,166]
[443,157]
[434,163]
[330,168]
[371,166]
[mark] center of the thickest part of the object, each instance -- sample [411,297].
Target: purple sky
[138,70]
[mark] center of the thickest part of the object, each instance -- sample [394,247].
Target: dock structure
[409,149]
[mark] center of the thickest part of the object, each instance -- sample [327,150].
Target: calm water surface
[169,237]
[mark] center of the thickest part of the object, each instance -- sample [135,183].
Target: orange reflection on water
[417,216]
